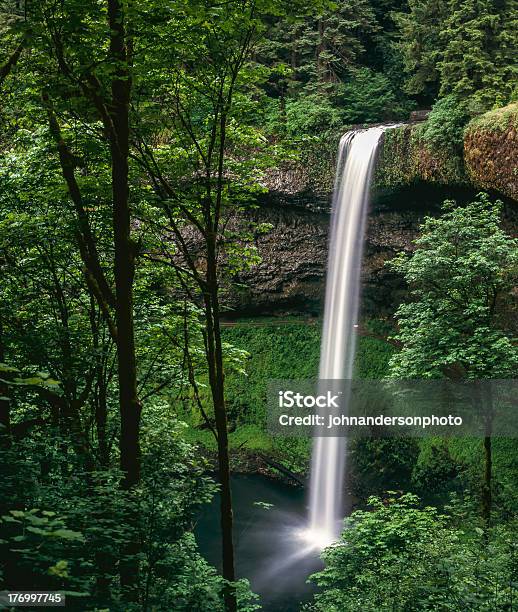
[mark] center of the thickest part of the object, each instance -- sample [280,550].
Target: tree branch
[95,276]
[6,69]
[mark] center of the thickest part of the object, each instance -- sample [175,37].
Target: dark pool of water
[268,550]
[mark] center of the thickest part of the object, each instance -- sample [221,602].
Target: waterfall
[356,159]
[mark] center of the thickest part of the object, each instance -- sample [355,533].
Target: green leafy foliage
[75,542]
[459,48]
[378,463]
[311,115]
[332,70]
[397,555]
[33,545]
[420,45]
[369,97]
[477,63]
[460,278]
[288,350]
[219,93]
[444,128]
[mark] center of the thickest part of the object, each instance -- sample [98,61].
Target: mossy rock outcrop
[491,150]
[406,158]
[306,180]
[488,160]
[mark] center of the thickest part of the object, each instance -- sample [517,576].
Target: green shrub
[436,471]
[398,556]
[286,351]
[311,115]
[65,530]
[282,351]
[444,128]
[381,463]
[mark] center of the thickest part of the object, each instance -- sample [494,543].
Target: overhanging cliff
[491,151]
[411,181]
[488,161]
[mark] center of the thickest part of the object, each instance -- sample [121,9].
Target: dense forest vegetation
[134,142]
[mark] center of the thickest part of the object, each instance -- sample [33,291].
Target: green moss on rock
[308,177]
[498,120]
[406,158]
[491,150]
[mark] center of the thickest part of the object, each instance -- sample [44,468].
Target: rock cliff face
[291,275]
[410,182]
[293,258]
[489,161]
[405,159]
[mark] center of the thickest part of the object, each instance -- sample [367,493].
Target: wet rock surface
[291,275]
[411,181]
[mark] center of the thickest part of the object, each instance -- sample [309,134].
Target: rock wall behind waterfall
[290,277]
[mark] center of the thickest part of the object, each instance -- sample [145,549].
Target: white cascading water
[356,159]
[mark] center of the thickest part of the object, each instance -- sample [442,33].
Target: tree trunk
[6,69]
[217,384]
[320,49]
[486,485]
[5,402]
[124,264]
[124,267]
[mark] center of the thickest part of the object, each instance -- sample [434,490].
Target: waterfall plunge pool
[271,551]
